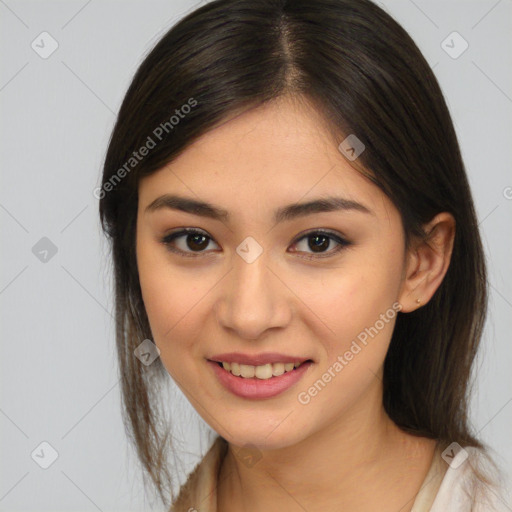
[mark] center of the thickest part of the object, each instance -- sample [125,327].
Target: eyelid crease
[338,238]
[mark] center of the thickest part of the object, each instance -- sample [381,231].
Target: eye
[318,241]
[188,238]
[192,242]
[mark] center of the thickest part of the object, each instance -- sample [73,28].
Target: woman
[291,224]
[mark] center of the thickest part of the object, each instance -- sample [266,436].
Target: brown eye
[187,242]
[193,242]
[319,242]
[196,242]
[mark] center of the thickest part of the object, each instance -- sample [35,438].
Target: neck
[328,470]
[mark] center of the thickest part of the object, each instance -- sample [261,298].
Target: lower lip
[259,388]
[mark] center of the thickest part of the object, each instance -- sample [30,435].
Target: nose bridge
[252,303]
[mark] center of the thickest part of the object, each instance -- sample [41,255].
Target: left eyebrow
[285,213]
[328,204]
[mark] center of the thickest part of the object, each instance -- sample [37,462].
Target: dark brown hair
[366,76]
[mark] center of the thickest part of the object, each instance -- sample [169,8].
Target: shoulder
[472,482]
[199,492]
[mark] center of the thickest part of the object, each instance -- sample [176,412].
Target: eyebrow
[285,213]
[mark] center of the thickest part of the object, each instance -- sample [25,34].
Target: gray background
[58,368]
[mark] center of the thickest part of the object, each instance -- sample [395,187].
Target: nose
[253,299]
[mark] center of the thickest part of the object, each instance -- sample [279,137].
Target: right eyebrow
[286,213]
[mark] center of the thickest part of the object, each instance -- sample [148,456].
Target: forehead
[278,153]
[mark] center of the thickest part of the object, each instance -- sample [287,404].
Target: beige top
[442,489]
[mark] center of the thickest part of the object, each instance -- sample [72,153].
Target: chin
[262,437]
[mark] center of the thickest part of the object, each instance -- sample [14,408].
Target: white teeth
[235,369]
[247,371]
[277,369]
[264,372]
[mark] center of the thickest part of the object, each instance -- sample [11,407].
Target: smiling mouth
[262,372]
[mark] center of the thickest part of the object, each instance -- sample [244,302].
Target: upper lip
[257,359]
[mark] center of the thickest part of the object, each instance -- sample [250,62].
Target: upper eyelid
[339,238]
[185,231]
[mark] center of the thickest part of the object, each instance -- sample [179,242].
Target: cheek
[355,302]
[176,303]
[358,309]
[166,297]
[169,305]
[171,320]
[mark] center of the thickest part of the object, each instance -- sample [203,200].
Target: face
[259,276]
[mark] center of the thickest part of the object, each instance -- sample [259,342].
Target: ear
[427,262]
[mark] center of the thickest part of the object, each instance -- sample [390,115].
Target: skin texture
[340,451]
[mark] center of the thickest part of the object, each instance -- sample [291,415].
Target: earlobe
[427,262]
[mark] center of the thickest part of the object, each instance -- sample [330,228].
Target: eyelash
[168,239]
